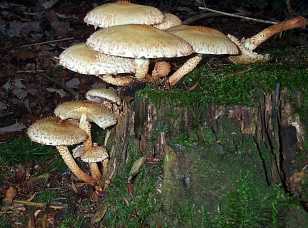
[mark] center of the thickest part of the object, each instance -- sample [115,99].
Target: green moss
[4,222]
[45,197]
[231,84]
[22,150]
[70,221]
[132,211]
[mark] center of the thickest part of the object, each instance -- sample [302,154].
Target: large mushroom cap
[99,94]
[94,112]
[205,40]
[138,41]
[53,131]
[170,20]
[121,13]
[84,60]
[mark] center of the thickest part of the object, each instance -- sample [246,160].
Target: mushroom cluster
[71,126]
[131,36]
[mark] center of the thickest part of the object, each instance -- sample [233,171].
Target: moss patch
[231,84]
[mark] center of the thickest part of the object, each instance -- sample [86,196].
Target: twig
[30,71]
[46,42]
[238,16]
[35,204]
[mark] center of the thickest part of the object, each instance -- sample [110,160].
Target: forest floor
[36,189]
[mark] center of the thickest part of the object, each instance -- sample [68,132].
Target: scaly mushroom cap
[84,60]
[97,153]
[121,13]
[95,112]
[138,41]
[99,94]
[205,40]
[170,20]
[54,131]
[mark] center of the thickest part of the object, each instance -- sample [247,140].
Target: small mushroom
[107,97]
[87,111]
[60,133]
[204,40]
[170,20]
[247,46]
[121,13]
[145,43]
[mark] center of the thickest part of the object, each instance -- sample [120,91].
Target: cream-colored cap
[170,20]
[205,40]
[138,41]
[121,13]
[94,112]
[84,60]
[55,132]
[99,94]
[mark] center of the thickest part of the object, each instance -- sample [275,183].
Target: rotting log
[271,130]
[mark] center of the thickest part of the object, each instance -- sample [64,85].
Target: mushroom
[87,111]
[60,133]
[121,13]
[204,40]
[170,20]
[140,42]
[247,46]
[107,97]
[84,60]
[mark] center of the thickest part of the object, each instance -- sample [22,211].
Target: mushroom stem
[95,171]
[187,67]
[247,56]
[142,68]
[254,41]
[86,126]
[72,165]
[117,81]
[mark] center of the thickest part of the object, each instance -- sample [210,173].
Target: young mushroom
[170,20]
[87,111]
[107,97]
[61,133]
[121,13]
[247,46]
[204,40]
[140,42]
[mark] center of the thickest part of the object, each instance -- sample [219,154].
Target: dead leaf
[12,128]
[9,195]
[136,168]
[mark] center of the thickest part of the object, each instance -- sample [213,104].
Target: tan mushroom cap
[121,13]
[54,131]
[99,94]
[138,41]
[205,40]
[170,20]
[94,112]
[84,60]
[97,154]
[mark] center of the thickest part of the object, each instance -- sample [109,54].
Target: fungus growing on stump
[204,40]
[61,133]
[145,43]
[247,46]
